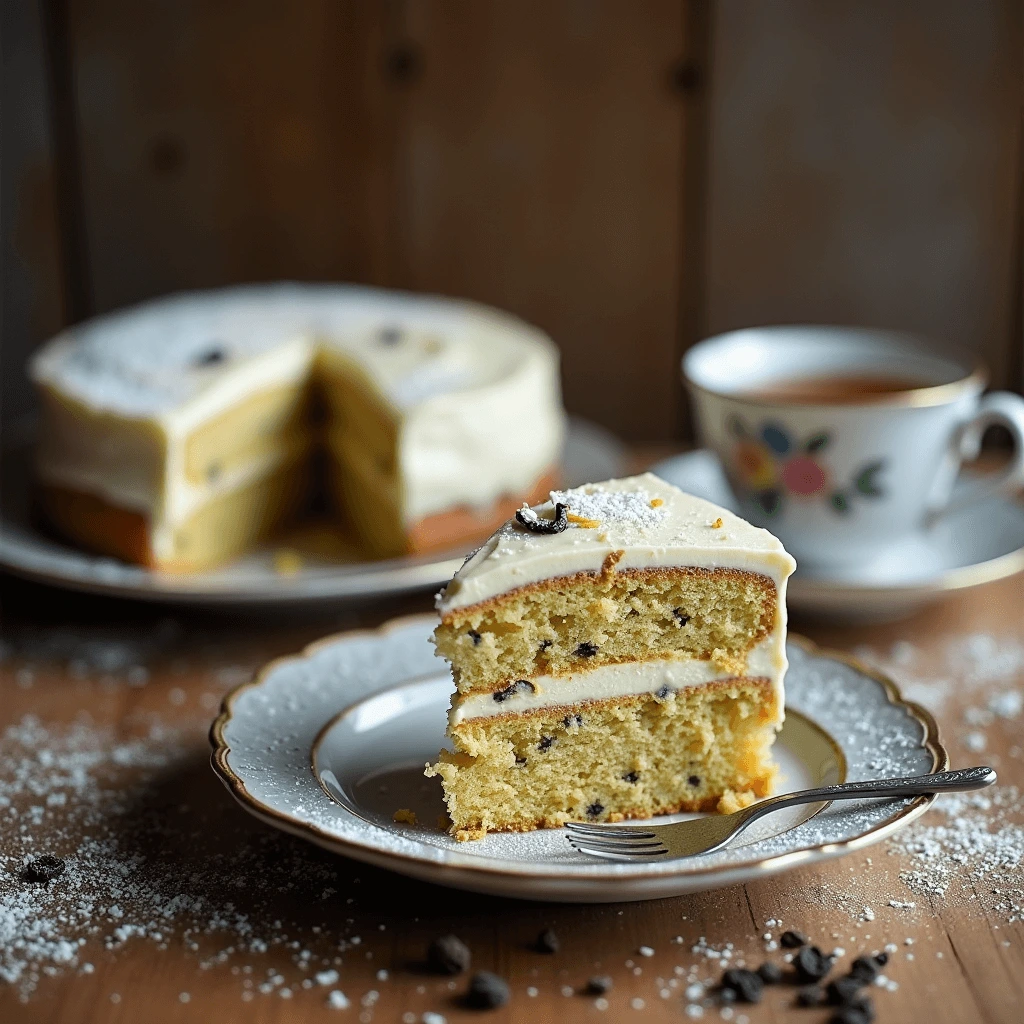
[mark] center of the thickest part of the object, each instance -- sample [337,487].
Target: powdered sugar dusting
[969,665]
[978,840]
[628,508]
[148,359]
[143,868]
[97,801]
[969,845]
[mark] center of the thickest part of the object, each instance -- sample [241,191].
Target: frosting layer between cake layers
[625,679]
[457,378]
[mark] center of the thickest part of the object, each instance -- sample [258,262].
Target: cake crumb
[404,816]
[731,801]
[717,524]
[287,562]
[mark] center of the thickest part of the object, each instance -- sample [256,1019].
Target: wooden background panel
[540,168]
[33,281]
[865,165]
[528,156]
[228,141]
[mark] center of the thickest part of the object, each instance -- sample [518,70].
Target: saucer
[963,549]
[330,743]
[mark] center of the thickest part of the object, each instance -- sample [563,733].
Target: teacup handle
[999,407]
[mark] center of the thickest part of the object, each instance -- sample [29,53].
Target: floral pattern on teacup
[768,468]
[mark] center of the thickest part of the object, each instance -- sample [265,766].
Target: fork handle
[959,781]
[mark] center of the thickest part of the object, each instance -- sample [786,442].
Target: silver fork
[712,832]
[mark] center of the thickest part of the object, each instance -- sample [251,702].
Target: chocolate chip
[792,940]
[520,761]
[533,522]
[865,969]
[475,637]
[747,985]
[586,650]
[811,964]
[519,686]
[211,356]
[545,742]
[770,973]
[727,995]
[810,995]
[486,991]
[681,617]
[547,942]
[599,985]
[842,991]
[881,958]
[860,1012]
[664,692]
[631,777]
[595,809]
[570,720]
[448,955]
[545,644]
[389,335]
[44,869]
[694,780]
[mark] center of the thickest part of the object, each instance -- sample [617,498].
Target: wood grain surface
[966,963]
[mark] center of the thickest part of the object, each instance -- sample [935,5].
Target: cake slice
[618,652]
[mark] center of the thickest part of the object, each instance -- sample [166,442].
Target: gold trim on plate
[763,866]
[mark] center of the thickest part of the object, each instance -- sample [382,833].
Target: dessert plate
[330,743]
[963,549]
[315,566]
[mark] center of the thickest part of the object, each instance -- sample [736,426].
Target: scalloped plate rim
[480,874]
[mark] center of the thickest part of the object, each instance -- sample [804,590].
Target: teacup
[842,441]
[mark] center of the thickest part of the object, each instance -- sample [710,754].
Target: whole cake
[618,652]
[178,433]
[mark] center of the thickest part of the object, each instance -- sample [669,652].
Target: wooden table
[968,960]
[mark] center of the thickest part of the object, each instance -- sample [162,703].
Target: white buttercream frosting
[461,379]
[765,661]
[653,524]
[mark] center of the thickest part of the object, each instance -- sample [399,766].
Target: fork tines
[608,831]
[619,842]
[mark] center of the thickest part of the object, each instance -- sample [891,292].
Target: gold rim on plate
[763,866]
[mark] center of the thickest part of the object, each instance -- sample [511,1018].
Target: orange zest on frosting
[587,524]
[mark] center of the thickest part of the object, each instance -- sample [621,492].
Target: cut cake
[178,433]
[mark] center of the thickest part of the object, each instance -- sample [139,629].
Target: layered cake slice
[618,652]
